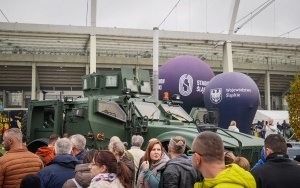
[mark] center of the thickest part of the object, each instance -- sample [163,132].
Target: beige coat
[83,176]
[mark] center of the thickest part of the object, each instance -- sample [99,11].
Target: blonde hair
[242,162]
[233,123]
[229,157]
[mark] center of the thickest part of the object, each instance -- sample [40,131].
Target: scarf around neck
[110,177]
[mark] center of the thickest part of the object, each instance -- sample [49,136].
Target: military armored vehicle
[118,103]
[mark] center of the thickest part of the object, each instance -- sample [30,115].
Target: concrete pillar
[87,69]
[93,37]
[267,91]
[155,62]
[227,57]
[33,82]
[284,104]
[92,54]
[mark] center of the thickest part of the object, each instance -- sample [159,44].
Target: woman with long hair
[108,172]
[118,149]
[154,159]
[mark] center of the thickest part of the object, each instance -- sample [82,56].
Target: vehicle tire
[35,144]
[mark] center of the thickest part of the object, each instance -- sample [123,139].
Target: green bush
[293,100]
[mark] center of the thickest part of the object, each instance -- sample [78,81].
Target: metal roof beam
[146,33]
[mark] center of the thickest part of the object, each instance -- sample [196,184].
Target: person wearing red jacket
[46,153]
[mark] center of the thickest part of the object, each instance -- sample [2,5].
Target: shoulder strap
[76,183]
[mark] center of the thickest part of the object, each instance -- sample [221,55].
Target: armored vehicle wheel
[35,144]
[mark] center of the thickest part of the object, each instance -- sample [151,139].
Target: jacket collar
[277,156]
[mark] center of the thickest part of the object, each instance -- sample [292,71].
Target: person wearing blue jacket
[61,168]
[261,161]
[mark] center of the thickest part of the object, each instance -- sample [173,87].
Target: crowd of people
[264,128]
[66,163]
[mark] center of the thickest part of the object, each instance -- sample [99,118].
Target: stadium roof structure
[61,54]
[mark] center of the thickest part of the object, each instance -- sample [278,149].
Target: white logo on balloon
[185,85]
[216,95]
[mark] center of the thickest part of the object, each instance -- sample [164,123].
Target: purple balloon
[186,76]
[236,96]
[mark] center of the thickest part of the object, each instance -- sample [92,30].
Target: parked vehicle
[118,103]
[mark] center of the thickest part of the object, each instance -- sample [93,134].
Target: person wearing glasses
[178,172]
[278,170]
[208,159]
[108,172]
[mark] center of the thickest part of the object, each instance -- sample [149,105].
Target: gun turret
[115,82]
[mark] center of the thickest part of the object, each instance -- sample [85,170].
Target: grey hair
[14,133]
[177,144]
[114,139]
[118,147]
[63,146]
[137,140]
[78,141]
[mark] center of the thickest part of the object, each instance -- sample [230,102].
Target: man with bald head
[270,128]
[208,159]
[18,161]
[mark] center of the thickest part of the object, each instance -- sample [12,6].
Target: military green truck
[117,103]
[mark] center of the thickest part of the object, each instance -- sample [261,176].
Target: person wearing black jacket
[278,171]
[178,172]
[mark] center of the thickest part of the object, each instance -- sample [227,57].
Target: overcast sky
[190,15]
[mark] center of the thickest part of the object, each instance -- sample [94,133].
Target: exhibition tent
[276,115]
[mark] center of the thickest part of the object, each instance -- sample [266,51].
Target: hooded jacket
[83,176]
[233,176]
[46,153]
[58,171]
[278,171]
[178,172]
[80,156]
